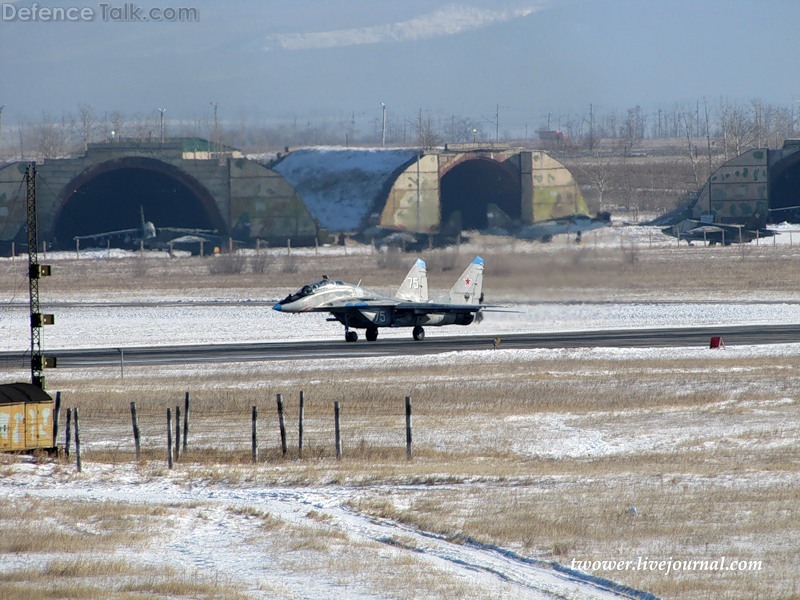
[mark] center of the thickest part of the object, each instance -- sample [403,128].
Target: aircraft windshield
[309,289]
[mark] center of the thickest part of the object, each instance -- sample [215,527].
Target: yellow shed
[26,418]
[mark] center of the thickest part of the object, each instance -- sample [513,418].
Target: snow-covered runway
[169,323]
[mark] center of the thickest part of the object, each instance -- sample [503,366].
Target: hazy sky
[316,59]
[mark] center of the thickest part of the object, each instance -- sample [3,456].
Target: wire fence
[284,426]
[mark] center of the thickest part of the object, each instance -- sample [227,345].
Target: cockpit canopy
[309,289]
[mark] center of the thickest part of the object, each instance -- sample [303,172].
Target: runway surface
[294,350]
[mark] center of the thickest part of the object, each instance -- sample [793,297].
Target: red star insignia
[467,281]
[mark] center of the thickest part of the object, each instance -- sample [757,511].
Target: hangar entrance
[111,196]
[470,186]
[784,191]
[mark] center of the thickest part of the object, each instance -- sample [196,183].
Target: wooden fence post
[77,440]
[300,426]
[169,438]
[67,432]
[177,432]
[186,422]
[136,439]
[337,430]
[56,411]
[409,453]
[254,435]
[282,424]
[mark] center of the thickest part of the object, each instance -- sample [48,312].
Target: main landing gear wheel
[372,334]
[418,333]
[350,336]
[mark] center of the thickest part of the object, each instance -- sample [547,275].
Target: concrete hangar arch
[760,186]
[784,183]
[182,182]
[108,196]
[355,190]
[299,197]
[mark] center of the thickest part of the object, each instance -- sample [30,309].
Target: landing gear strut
[372,334]
[349,336]
[418,333]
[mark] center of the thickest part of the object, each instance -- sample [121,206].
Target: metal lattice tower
[35,272]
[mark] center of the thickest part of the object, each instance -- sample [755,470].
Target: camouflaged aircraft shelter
[352,190]
[757,187]
[302,196]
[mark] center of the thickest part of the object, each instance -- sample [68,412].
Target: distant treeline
[726,126]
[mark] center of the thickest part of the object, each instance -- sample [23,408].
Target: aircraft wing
[417,308]
[711,229]
[733,230]
[343,306]
[188,231]
[693,230]
[543,230]
[437,307]
[190,239]
[106,234]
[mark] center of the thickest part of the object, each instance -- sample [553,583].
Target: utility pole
[383,129]
[1,129]
[162,111]
[496,123]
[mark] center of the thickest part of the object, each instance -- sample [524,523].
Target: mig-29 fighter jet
[356,307]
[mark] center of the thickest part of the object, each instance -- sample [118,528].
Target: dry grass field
[612,264]
[571,456]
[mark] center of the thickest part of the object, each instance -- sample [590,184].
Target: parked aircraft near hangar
[693,230]
[150,236]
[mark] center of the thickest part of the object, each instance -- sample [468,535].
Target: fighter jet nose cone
[278,307]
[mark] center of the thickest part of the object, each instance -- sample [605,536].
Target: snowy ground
[154,323]
[297,541]
[217,532]
[293,541]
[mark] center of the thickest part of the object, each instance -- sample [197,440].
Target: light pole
[216,126]
[383,129]
[162,111]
